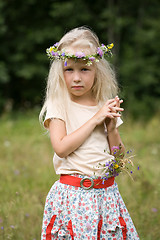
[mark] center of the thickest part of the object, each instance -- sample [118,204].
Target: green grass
[26,175]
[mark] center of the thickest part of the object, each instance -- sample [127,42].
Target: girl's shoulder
[53,110]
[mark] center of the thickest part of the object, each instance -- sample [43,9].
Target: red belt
[86,182]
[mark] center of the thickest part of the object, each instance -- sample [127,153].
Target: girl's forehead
[78,63]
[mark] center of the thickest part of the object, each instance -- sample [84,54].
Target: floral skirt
[74,213]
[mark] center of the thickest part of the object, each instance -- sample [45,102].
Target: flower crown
[54,54]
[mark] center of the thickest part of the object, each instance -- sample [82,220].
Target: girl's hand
[110,110]
[111,123]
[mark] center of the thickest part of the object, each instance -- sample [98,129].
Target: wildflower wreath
[54,54]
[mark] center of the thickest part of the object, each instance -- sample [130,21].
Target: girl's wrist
[93,122]
[112,131]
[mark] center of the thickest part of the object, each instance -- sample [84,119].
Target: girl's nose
[77,80]
[77,77]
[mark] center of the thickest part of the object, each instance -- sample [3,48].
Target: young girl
[82,113]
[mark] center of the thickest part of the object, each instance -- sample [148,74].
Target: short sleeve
[119,122]
[53,111]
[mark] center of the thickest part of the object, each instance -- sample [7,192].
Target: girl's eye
[85,69]
[68,70]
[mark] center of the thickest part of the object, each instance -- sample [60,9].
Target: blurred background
[27,28]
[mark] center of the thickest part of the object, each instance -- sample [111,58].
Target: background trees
[28,28]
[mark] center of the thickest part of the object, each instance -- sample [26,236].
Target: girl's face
[79,80]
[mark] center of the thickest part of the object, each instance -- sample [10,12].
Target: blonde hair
[105,85]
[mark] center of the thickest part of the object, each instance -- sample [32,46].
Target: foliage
[28,28]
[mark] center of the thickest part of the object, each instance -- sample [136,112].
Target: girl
[82,113]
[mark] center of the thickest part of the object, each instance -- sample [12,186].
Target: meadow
[26,175]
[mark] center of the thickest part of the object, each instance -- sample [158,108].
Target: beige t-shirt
[94,150]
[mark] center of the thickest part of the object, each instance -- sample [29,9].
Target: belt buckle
[87,178]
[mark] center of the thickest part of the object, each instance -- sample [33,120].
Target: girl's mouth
[77,87]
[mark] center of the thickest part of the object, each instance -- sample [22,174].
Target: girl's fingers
[116,103]
[110,101]
[109,115]
[114,114]
[116,109]
[119,101]
[113,105]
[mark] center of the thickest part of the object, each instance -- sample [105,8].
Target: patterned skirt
[75,213]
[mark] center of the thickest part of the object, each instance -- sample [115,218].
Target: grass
[26,175]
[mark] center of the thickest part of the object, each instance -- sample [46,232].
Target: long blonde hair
[105,85]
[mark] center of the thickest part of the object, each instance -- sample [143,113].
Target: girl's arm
[64,144]
[113,136]
[114,139]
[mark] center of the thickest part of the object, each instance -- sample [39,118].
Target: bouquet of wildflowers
[116,165]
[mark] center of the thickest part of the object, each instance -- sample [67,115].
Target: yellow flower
[111,46]
[51,49]
[116,166]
